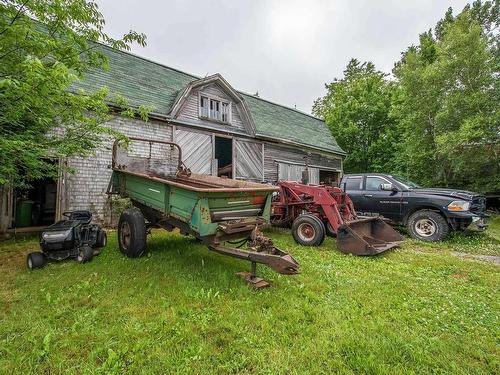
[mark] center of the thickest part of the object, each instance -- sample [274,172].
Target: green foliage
[448,103]
[438,122]
[45,46]
[356,109]
[182,309]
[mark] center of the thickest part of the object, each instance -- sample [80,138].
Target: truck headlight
[459,206]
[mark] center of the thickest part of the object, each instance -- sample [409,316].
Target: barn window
[215,109]
[203,106]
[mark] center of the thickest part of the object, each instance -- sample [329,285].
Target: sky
[286,50]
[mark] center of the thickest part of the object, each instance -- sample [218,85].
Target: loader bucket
[367,236]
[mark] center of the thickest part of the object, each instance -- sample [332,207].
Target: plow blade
[367,236]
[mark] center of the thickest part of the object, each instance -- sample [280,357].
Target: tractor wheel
[427,225]
[329,230]
[308,230]
[132,233]
[36,260]
[85,255]
[102,239]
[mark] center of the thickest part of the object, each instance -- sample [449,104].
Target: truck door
[352,185]
[377,201]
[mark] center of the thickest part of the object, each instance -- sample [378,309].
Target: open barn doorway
[223,150]
[35,205]
[328,177]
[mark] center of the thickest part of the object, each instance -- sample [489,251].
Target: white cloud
[285,49]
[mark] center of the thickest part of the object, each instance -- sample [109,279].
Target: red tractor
[313,210]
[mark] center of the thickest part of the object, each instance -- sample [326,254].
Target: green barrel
[24,210]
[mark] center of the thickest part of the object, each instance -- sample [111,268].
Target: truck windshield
[407,183]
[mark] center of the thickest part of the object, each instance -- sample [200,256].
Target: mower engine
[75,237]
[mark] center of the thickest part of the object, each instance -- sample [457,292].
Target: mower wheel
[132,233]
[85,255]
[35,260]
[308,230]
[102,239]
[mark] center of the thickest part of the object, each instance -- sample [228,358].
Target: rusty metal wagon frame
[217,211]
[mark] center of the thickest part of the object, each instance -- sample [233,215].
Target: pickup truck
[428,213]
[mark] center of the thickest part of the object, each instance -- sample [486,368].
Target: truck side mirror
[388,187]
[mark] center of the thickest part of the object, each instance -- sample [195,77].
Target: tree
[45,47]
[356,109]
[447,104]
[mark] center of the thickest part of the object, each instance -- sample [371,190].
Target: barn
[221,130]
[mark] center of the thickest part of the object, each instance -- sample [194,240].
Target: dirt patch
[486,258]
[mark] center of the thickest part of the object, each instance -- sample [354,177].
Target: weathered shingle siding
[190,110]
[86,189]
[273,152]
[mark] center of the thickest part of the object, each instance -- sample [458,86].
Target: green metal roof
[144,82]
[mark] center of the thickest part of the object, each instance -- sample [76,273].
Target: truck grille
[478,205]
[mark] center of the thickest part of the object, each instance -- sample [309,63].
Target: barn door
[196,150]
[293,172]
[248,160]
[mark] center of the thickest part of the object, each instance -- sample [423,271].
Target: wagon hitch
[260,250]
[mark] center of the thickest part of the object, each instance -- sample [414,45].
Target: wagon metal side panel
[148,192]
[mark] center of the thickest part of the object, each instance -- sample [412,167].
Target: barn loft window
[215,109]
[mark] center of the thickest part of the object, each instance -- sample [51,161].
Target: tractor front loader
[312,211]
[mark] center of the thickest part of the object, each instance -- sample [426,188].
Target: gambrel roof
[145,82]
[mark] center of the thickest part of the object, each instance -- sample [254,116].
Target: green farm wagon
[217,211]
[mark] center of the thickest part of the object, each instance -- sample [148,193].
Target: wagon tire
[132,233]
[308,230]
[85,255]
[35,260]
[427,225]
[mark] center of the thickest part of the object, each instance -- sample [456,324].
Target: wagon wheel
[132,233]
[125,235]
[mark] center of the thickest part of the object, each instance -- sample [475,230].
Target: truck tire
[308,230]
[85,255]
[427,225]
[102,238]
[35,260]
[132,233]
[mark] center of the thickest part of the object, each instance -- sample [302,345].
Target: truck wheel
[102,239]
[35,260]
[427,225]
[85,255]
[132,233]
[308,230]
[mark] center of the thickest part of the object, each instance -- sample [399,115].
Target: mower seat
[84,216]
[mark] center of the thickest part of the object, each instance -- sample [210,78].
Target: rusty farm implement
[217,211]
[313,210]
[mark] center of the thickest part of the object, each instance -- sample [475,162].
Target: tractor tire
[102,239]
[85,255]
[132,233]
[427,225]
[329,230]
[36,260]
[308,230]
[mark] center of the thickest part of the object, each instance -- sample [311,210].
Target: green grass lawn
[181,309]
